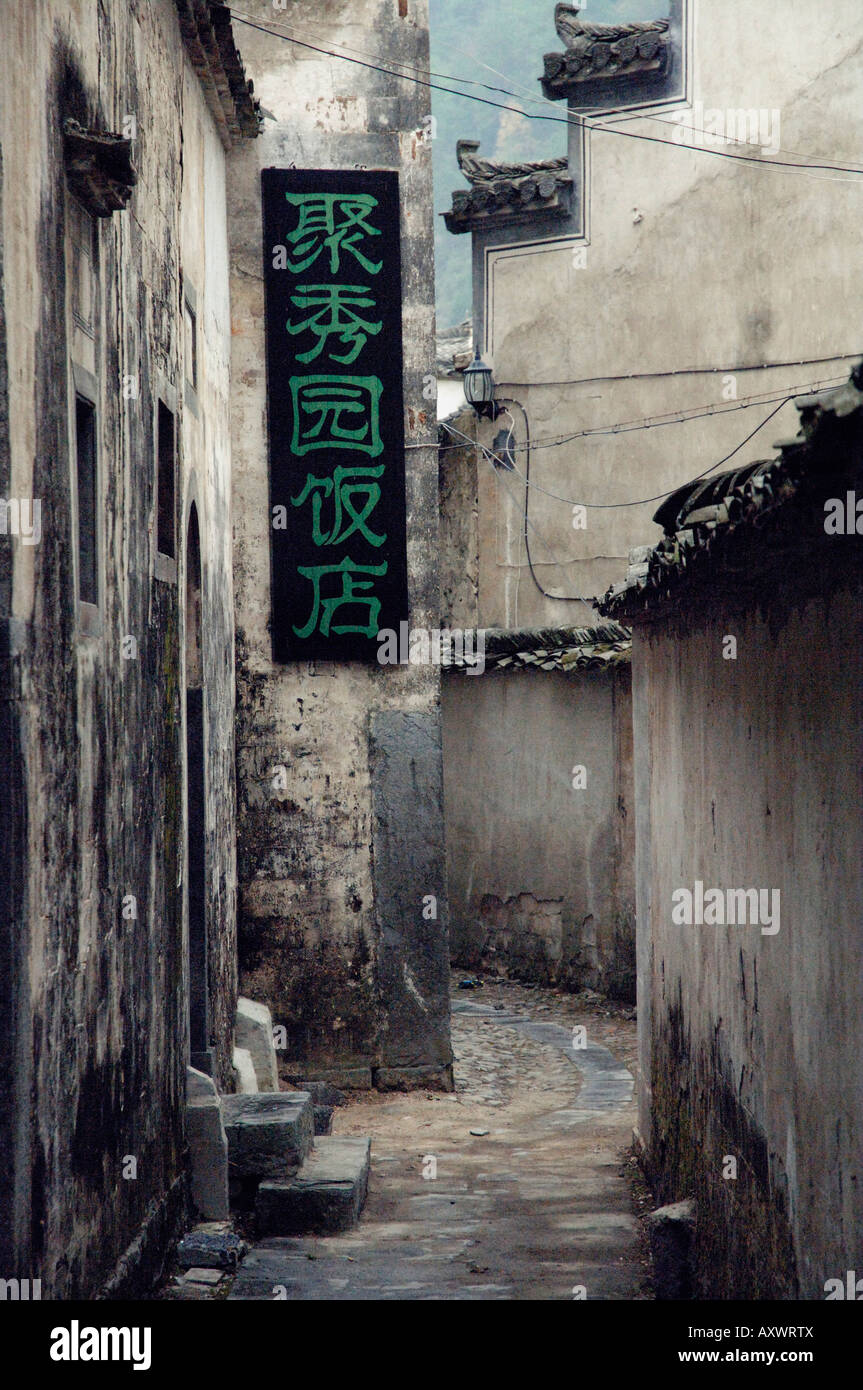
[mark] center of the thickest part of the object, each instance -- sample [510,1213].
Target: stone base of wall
[144,1263]
[530,939]
[438,1078]
[743,1242]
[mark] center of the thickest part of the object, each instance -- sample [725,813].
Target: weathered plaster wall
[749,776]
[93,742]
[689,260]
[206,484]
[537,885]
[322,938]
[458,490]
[541,876]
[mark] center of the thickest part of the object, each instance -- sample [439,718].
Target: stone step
[326,1196]
[269,1134]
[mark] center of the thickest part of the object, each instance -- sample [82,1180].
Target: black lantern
[479,387]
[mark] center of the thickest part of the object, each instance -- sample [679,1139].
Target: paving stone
[538,1211]
[212,1245]
[211,1277]
[326,1196]
[269,1134]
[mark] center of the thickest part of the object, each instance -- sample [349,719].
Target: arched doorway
[199,1001]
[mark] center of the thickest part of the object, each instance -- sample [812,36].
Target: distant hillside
[469,40]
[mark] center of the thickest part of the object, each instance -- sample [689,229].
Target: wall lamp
[479,388]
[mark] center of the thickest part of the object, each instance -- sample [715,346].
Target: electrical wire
[560,564]
[673,417]
[563,598]
[691,371]
[635,502]
[570,119]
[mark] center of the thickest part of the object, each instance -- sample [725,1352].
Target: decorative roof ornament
[603,52]
[502,192]
[572,30]
[481,171]
[99,168]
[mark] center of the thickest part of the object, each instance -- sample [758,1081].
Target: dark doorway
[199,1002]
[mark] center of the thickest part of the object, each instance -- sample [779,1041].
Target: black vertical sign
[332,279]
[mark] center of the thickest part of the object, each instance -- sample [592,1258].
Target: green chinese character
[333,221]
[336,412]
[324,609]
[344,485]
[334,314]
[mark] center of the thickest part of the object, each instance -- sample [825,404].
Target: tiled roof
[776,502]
[209,41]
[552,649]
[502,192]
[454,348]
[599,52]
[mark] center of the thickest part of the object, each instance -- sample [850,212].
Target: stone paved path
[536,1208]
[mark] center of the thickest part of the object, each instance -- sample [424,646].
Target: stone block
[254,1033]
[326,1196]
[323,1119]
[247,1081]
[347,1078]
[433,1078]
[406,769]
[322,1092]
[208,1147]
[269,1134]
[671,1231]
[199,1086]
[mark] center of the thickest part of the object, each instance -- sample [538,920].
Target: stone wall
[334,865]
[94,988]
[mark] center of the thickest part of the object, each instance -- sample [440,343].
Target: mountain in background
[499,43]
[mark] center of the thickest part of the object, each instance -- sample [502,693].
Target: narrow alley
[530,1191]
[431,511]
